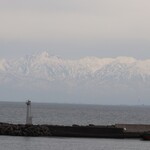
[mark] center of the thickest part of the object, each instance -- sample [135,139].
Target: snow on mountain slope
[3,65]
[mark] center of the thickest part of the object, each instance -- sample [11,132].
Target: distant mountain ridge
[90,73]
[53,68]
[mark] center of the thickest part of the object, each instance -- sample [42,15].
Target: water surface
[65,114]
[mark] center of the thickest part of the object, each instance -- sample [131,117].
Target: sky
[75,28]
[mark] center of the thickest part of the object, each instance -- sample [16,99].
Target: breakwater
[59,130]
[113,131]
[24,130]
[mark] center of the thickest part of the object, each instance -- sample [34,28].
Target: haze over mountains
[42,77]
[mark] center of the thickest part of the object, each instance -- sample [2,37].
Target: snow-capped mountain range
[93,75]
[51,68]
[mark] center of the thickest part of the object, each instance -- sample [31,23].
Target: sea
[69,114]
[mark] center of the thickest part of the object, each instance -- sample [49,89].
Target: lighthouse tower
[28,117]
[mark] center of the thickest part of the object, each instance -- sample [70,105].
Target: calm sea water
[65,114]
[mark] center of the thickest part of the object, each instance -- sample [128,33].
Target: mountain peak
[126,60]
[44,54]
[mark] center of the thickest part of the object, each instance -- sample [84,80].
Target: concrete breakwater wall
[140,128]
[58,130]
[111,131]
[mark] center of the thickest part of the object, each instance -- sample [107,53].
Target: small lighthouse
[28,117]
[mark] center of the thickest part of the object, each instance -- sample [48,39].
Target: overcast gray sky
[75,28]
